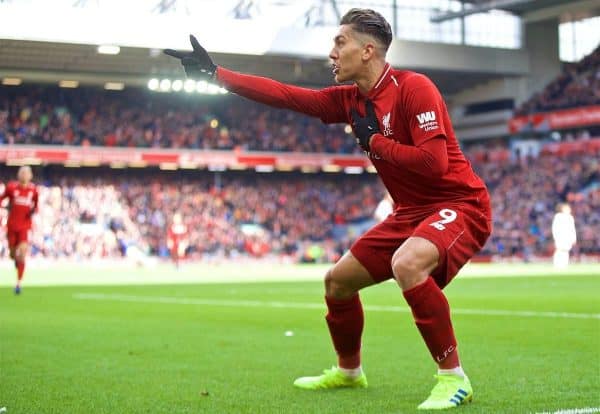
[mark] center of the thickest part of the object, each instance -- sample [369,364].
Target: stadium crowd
[577,85]
[250,214]
[525,192]
[141,118]
[95,214]
[99,212]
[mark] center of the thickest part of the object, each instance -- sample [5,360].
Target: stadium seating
[141,118]
[98,212]
[577,85]
[259,214]
[524,195]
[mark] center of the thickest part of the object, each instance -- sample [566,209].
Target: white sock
[453,371]
[352,372]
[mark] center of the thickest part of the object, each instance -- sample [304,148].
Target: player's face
[346,55]
[24,175]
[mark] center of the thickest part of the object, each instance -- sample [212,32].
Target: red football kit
[437,194]
[23,200]
[177,240]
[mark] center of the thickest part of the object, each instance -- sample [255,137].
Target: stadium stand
[93,213]
[141,118]
[525,192]
[272,214]
[246,213]
[577,85]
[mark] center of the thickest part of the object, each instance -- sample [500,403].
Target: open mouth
[335,69]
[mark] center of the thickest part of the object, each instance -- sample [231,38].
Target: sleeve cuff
[373,142]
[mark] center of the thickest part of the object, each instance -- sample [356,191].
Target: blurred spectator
[564,234]
[384,208]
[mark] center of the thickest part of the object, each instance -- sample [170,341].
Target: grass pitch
[529,344]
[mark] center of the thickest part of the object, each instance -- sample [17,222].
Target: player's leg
[11,237]
[423,265]
[181,253]
[345,314]
[175,254]
[13,240]
[367,263]
[413,264]
[20,255]
[560,258]
[345,322]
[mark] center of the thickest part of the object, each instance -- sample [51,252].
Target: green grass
[156,349]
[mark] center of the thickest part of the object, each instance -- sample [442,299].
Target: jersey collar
[382,82]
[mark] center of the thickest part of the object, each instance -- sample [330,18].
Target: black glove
[365,127]
[31,213]
[197,64]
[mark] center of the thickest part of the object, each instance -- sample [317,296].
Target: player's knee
[336,288]
[21,252]
[408,270]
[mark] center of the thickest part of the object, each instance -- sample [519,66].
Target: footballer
[442,213]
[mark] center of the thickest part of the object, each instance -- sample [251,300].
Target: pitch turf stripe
[298,305]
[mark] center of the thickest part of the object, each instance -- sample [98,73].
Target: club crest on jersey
[387,129]
[427,121]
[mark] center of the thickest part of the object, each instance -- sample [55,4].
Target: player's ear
[368,51]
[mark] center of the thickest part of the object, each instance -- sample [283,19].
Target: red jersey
[177,233]
[410,112]
[22,203]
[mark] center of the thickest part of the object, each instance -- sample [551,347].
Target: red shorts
[178,250]
[458,230]
[16,237]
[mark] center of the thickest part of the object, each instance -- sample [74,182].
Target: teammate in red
[442,213]
[177,239]
[22,204]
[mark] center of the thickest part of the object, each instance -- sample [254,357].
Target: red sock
[345,320]
[432,315]
[20,265]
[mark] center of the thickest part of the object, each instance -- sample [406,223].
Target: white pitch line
[586,410]
[299,305]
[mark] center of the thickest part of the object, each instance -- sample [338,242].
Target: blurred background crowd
[100,212]
[577,85]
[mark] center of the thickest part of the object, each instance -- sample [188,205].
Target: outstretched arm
[318,103]
[325,103]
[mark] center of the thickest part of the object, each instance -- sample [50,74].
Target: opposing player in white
[384,208]
[563,232]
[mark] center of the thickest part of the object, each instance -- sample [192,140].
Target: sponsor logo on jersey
[23,199]
[387,129]
[427,121]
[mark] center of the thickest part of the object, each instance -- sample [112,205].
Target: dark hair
[370,22]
